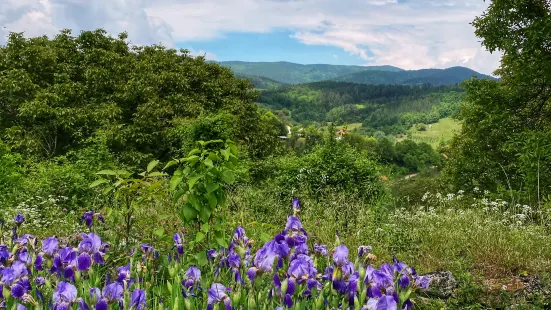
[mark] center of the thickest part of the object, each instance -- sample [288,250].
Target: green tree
[57,93]
[500,118]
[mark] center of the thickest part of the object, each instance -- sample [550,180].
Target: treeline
[391,108]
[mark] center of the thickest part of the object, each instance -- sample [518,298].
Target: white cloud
[408,34]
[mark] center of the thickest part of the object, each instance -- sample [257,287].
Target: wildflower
[340,255]
[88,218]
[19,219]
[137,299]
[64,296]
[263,261]
[320,250]
[217,294]
[178,243]
[50,246]
[191,278]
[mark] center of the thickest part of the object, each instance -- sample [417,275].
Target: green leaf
[208,162]
[179,194]
[189,212]
[205,228]
[199,237]
[213,201]
[228,176]
[170,164]
[98,182]
[175,181]
[194,200]
[226,154]
[219,236]
[201,258]
[211,187]
[156,174]
[205,213]
[152,165]
[159,232]
[265,237]
[193,152]
[190,158]
[193,180]
[107,172]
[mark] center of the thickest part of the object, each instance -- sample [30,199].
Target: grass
[350,127]
[441,131]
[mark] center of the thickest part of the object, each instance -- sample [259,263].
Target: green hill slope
[292,73]
[449,76]
[260,82]
[390,108]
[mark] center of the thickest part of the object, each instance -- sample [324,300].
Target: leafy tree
[505,123]
[57,93]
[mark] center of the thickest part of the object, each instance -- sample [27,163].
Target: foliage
[200,181]
[449,76]
[94,85]
[500,117]
[291,73]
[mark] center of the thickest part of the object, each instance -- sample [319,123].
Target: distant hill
[292,73]
[260,82]
[436,77]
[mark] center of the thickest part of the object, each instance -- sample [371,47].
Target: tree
[55,94]
[505,122]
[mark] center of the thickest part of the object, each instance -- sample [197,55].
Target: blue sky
[411,34]
[274,46]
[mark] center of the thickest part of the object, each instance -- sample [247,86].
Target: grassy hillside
[449,76]
[292,73]
[434,133]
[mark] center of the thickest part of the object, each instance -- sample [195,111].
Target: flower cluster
[283,273]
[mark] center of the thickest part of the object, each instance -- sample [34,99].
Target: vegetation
[148,165]
[291,73]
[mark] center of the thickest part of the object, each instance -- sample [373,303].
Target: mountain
[260,82]
[292,73]
[449,76]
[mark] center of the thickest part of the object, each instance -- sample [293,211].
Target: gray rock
[442,284]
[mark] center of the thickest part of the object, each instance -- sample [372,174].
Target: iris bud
[171,271]
[6,291]
[284,286]
[252,302]
[236,297]
[187,304]
[241,251]
[176,306]
[362,272]
[169,287]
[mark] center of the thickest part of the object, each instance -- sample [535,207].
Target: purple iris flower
[95,294]
[363,250]
[25,257]
[18,290]
[422,282]
[288,301]
[19,269]
[386,303]
[88,218]
[21,307]
[4,254]
[212,254]
[137,299]
[146,248]
[39,281]
[191,277]
[84,261]
[293,224]
[301,268]
[50,246]
[19,219]
[92,245]
[8,276]
[124,273]
[82,304]
[178,243]
[404,281]
[217,294]
[281,248]
[320,250]
[64,295]
[263,261]
[296,205]
[382,279]
[340,256]
[398,265]
[113,292]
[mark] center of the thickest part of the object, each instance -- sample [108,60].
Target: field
[435,133]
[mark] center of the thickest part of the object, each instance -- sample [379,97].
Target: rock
[442,284]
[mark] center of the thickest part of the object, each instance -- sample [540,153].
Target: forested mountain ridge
[449,76]
[292,73]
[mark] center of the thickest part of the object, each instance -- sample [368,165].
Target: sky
[410,34]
